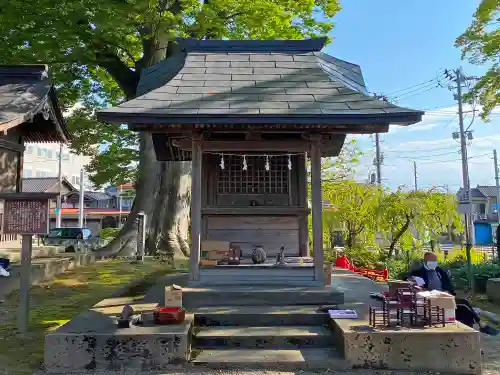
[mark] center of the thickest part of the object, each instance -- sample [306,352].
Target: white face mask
[431,264]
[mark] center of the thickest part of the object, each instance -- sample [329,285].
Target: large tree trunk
[162,193]
[170,220]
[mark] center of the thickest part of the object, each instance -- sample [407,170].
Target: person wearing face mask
[432,277]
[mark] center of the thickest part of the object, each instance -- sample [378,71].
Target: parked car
[73,239]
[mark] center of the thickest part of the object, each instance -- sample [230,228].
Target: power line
[411,87]
[429,156]
[448,161]
[414,93]
[415,174]
[439,107]
[424,149]
[435,79]
[449,122]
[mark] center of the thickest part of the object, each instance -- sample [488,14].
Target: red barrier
[377,275]
[343,262]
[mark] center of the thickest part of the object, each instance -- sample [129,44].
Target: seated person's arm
[447,283]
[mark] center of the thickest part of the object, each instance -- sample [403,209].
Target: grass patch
[54,303]
[481,301]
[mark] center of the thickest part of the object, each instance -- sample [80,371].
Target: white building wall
[42,160]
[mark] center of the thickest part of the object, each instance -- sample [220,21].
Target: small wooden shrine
[29,112]
[248,114]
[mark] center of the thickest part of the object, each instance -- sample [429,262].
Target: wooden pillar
[196,199]
[24,284]
[317,210]
[302,199]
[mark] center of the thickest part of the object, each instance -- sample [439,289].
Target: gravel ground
[491,358]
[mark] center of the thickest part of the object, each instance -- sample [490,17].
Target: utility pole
[120,204]
[378,160]
[459,79]
[415,174]
[82,202]
[497,182]
[450,237]
[59,196]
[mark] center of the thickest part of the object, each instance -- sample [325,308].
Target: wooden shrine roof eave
[28,100]
[396,118]
[176,130]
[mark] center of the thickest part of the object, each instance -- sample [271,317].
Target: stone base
[452,349]
[91,341]
[493,290]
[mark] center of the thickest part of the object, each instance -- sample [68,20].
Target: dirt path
[491,358]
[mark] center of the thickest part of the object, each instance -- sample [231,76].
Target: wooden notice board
[26,216]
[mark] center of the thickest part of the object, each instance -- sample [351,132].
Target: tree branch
[126,78]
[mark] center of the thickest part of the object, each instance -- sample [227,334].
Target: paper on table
[419,281]
[343,314]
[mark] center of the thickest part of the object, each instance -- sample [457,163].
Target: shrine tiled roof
[259,82]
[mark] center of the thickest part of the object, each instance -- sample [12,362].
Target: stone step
[262,316]
[270,359]
[271,295]
[284,337]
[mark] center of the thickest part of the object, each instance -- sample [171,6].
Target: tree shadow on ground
[54,303]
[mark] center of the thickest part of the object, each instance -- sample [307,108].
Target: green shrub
[398,268]
[365,258]
[481,273]
[109,234]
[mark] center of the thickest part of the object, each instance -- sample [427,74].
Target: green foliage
[362,257]
[342,167]
[480,44]
[97,50]
[429,212]
[335,169]
[109,234]
[355,207]
[398,268]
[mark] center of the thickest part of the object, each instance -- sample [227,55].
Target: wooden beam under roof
[247,146]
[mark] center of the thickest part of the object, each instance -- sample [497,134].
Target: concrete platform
[91,341]
[270,359]
[43,269]
[14,254]
[284,337]
[451,349]
[271,295]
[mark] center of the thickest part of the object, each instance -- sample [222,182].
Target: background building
[100,209]
[42,160]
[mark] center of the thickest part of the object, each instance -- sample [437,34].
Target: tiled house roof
[487,191]
[481,192]
[44,184]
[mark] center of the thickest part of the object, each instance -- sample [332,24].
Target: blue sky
[399,44]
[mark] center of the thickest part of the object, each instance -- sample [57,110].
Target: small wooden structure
[29,112]
[248,114]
